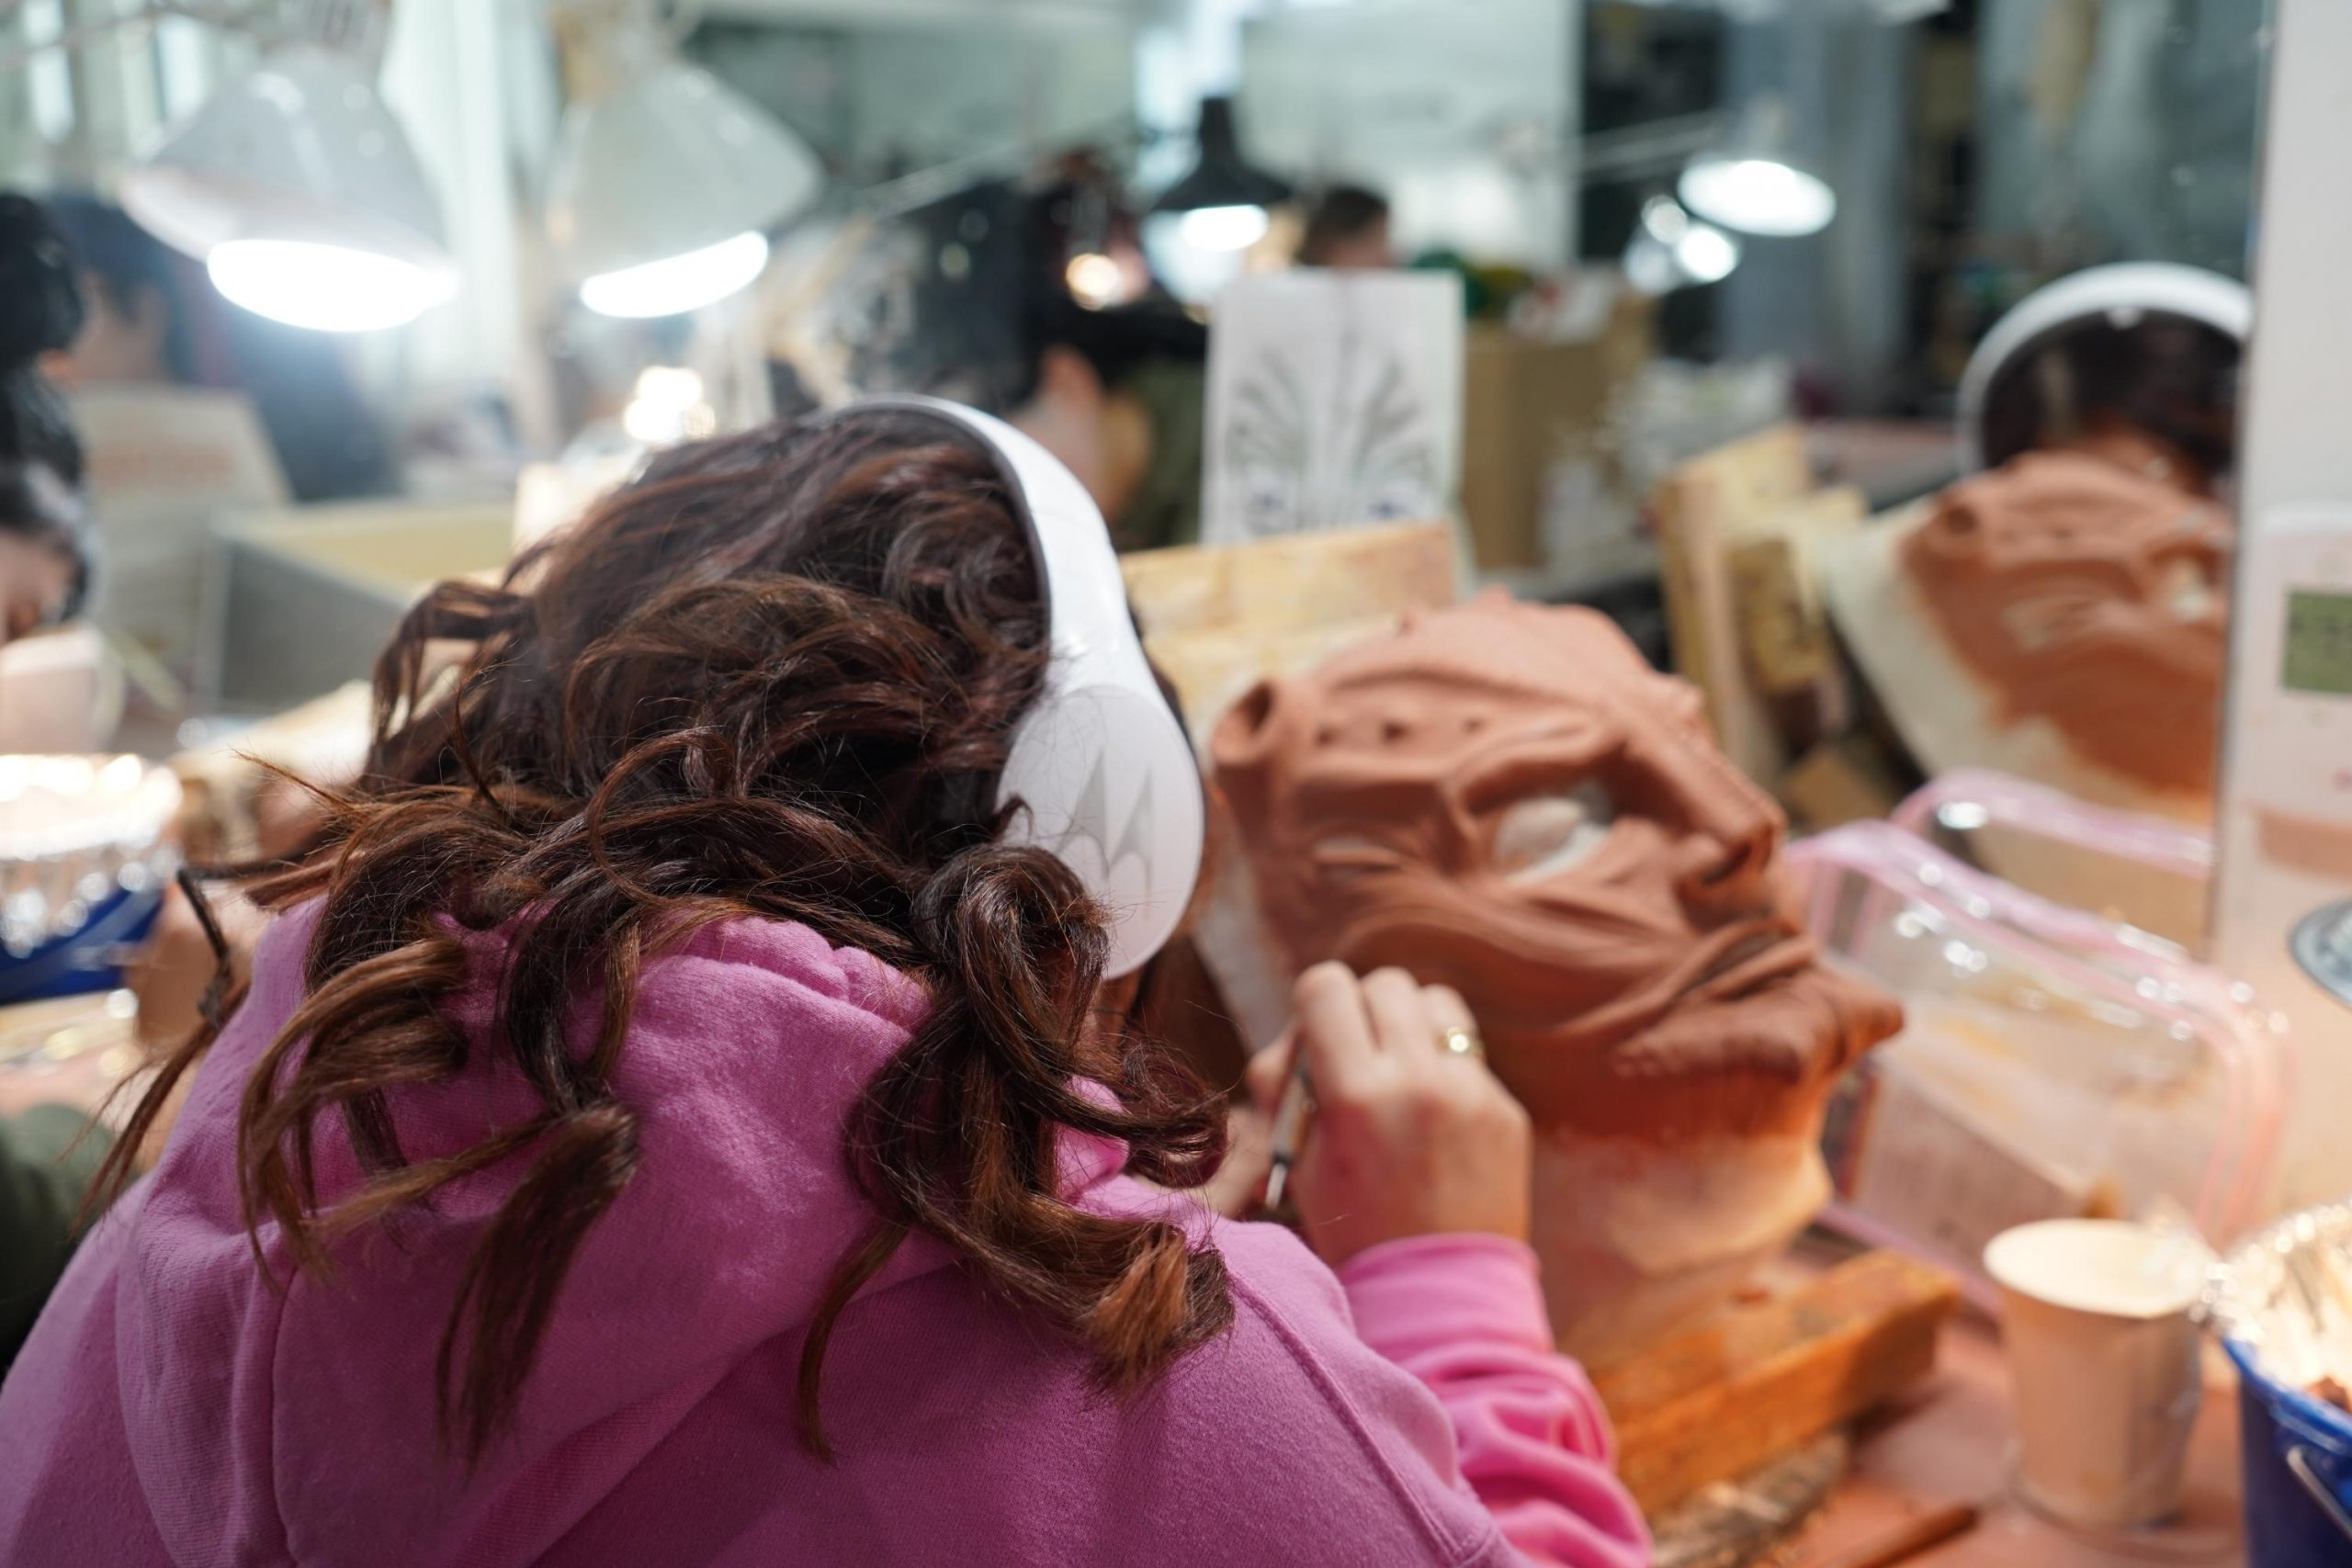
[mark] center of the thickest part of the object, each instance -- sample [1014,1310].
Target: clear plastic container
[2053,1063]
[2149,872]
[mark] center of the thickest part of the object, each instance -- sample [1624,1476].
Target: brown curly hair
[776,678]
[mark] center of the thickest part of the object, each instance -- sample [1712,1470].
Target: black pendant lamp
[1220,177]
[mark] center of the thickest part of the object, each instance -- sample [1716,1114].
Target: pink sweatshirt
[171,1409]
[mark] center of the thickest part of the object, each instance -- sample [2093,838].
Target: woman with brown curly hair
[673,1119]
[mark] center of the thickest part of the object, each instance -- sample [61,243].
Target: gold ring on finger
[1461,1042]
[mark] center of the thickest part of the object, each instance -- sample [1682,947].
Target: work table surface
[1949,1442]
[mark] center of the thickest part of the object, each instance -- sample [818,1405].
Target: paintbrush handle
[1290,1128]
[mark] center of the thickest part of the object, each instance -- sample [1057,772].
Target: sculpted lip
[1797,1023]
[1750,956]
[1739,962]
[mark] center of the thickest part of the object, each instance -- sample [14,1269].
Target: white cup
[2103,1353]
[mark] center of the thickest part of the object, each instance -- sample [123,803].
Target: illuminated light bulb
[1094,280]
[667,406]
[1758,195]
[1664,220]
[675,285]
[328,288]
[1706,254]
[1223,228]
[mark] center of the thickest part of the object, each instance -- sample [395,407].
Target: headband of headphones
[1100,762]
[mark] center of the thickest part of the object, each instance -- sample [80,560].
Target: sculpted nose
[1728,857]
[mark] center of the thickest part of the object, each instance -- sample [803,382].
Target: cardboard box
[1526,407]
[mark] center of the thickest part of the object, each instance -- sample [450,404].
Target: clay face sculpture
[1504,798]
[2092,597]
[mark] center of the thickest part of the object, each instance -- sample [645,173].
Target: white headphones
[1101,764]
[2115,295]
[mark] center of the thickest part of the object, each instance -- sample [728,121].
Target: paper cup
[2103,1364]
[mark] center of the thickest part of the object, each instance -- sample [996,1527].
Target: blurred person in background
[1033,300]
[1117,371]
[45,548]
[1347,229]
[1120,395]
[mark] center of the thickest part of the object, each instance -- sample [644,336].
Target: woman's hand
[1407,1137]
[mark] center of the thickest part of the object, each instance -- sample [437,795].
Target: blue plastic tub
[2298,1458]
[89,958]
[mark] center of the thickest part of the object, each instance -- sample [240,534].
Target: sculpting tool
[1907,1541]
[1290,1127]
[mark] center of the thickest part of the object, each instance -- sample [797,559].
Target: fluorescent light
[1194,273]
[1706,254]
[1758,195]
[1672,250]
[668,407]
[1664,219]
[678,283]
[328,288]
[1223,228]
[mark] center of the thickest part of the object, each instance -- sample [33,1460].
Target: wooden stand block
[1218,618]
[1762,1377]
[1739,531]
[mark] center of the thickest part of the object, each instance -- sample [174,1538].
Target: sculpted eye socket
[1345,857]
[2190,592]
[1540,837]
[2037,623]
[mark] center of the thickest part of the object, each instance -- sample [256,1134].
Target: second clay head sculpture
[1504,798]
[2090,596]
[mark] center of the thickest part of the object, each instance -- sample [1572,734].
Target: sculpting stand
[1734,1523]
[1769,1374]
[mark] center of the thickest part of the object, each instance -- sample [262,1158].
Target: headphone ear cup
[1109,786]
[1101,764]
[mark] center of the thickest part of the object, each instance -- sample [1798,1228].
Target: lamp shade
[1756,184]
[297,189]
[1197,229]
[671,166]
[1220,177]
[302,150]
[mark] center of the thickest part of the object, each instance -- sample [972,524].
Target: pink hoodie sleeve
[1463,1314]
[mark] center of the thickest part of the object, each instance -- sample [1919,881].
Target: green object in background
[1167,509]
[1488,292]
[46,1164]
